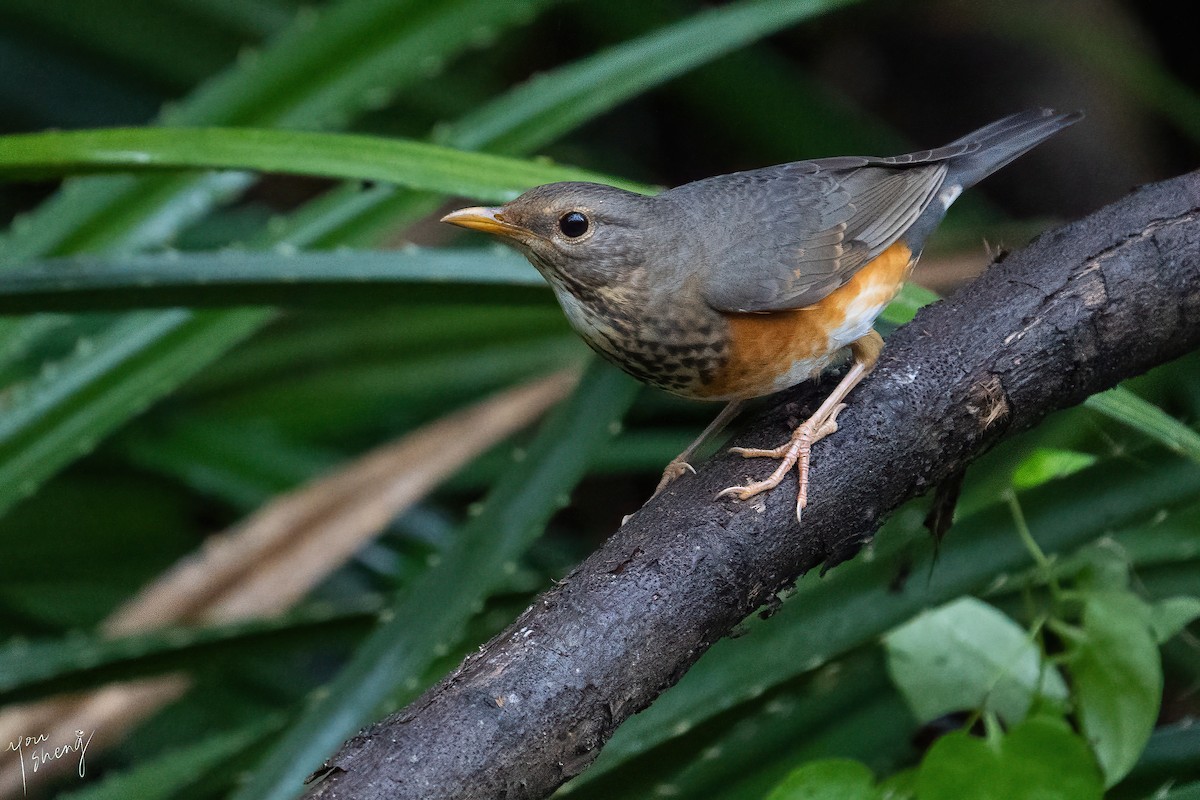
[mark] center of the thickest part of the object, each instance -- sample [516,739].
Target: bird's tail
[993,146]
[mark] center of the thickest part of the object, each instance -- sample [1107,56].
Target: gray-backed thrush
[741,285]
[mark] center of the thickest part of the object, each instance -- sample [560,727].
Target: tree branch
[1080,309]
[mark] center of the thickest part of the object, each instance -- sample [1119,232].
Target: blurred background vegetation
[130,436]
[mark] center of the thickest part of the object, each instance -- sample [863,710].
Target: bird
[742,285]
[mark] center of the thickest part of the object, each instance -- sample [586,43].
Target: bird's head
[584,232]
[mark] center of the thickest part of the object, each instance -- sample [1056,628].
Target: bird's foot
[792,453]
[674,470]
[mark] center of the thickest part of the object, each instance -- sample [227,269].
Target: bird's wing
[797,232]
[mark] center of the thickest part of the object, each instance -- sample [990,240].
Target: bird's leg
[679,464]
[795,452]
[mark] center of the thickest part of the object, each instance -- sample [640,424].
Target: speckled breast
[697,352]
[680,351]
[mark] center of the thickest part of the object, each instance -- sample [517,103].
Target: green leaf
[1098,567]
[313,75]
[535,113]
[380,336]
[1173,754]
[845,710]
[1110,48]
[1049,463]
[282,277]
[832,779]
[1173,538]
[417,165]
[34,669]
[552,104]
[243,463]
[167,776]
[109,378]
[333,396]
[322,71]
[900,786]
[750,95]
[1040,759]
[911,299]
[131,36]
[967,655]
[1122,405]
[1117,679]
[1170,616]
[256,18]
[859,600]
[447,595]
[1189,792]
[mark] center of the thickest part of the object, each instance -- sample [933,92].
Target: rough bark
[1075,312]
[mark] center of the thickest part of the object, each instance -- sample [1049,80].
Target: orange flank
[807,338]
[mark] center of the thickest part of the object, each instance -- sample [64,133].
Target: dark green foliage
[188,340]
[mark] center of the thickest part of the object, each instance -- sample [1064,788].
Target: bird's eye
[573,224]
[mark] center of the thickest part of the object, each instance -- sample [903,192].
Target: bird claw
[674,470]
[744,493]
[792,453]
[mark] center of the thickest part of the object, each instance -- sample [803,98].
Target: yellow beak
[488,220]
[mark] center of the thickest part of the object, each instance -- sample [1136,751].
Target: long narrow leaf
[417,165]
[446,596]
[1123,406]
[758,739]
[282,277]
[537,112]
[318,74]
[169,776]
[29,670]
[552,104]
[152,210]
[61,416]
[397,333]
[131,35]
[1114,53]
[314,75]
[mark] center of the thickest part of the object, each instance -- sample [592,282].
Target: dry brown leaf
[272,559]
